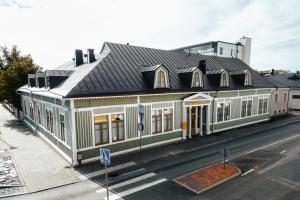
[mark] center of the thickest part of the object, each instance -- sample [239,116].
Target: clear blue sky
[50,30]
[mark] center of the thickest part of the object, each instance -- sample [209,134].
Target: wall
[57,108]
[294,104]
[280,107]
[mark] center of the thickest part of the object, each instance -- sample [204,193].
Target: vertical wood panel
[84,130]
[131,122]
[178,115]
[147,120]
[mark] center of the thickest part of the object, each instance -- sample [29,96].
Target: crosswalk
[131,186]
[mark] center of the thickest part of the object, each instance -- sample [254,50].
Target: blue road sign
[140,126]
[105,156]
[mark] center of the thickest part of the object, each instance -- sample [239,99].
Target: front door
[193,121]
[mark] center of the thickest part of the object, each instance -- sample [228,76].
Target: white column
[190,122]
[201,120]
[184,119]
[73,134]
[208,111]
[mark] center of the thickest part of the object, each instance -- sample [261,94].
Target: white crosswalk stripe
[135,189]
[101,172]
[130,181]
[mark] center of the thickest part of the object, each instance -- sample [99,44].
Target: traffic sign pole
[107,193]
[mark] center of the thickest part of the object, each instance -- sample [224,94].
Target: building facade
[85,105]
[291,81]
[240,49]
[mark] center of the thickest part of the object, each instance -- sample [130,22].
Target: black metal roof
[285,80]
[120,72]
[65,73]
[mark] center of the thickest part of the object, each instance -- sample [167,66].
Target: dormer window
[248,79]
[161,79]
[197,79]
[224,79]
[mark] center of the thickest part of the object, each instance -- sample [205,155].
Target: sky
[50,30]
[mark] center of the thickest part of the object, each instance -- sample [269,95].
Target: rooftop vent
[90,56]
[78,59]
[202,66]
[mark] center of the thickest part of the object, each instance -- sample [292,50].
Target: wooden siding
[131,122]
[240,122]
[235,108]
[162,98]
[84,132]
[265,91]
[255,106]
[147,121]
[177,115]
[92,153]
[228,94]
[104,102]
[108,110]
[247,92]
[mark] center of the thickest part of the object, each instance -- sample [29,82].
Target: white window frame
[166,74]
[248,79]
[246,99]
[162,123]
[65,130]
[200,78]
[263,98]
[224,101]
[226,81]
[109,128]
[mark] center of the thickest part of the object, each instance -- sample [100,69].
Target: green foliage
[14,68]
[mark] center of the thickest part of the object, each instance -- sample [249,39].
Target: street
[269,160]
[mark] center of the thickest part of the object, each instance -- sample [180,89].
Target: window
[265,105]
[161,79]
[220,112]
[117,124]
[39,114]
[196,79]
[24,107]
[284,98]
[156,121]
[49,121]
[31,111]
[231,52]
[276,98]
[244,109]
[249,108]
[275,112]
[262,105]
[168,119]
[296,96]
[248,80]
[221,50]
[283,110]
[62,127]
[227,111]
[47,84]
[101,130]
[224,80]
[223,111]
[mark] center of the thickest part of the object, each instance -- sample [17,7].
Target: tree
[14,68]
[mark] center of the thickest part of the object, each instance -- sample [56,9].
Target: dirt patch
[207,178]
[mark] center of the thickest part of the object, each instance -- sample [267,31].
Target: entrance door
[193,121]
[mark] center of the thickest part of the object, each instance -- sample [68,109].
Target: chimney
[273,72]
[202,66]
[78,59]
[90,56]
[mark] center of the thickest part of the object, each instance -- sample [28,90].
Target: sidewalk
[38,165]
[133,160]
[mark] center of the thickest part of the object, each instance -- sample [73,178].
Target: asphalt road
[271,158]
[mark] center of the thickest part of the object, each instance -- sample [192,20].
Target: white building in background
[240,49]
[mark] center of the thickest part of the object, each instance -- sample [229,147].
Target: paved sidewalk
[38,165]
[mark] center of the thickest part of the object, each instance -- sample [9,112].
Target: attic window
[224,79]
[248,79]
[161,80]
[197,79]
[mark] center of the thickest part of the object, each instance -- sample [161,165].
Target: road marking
[285,182]
[282,152]
[263,147]
[130,181]
[247,172]
[135,189]
[101,172]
